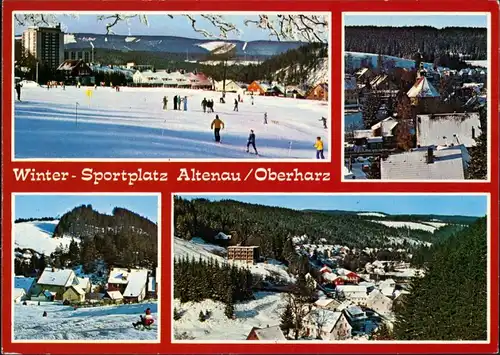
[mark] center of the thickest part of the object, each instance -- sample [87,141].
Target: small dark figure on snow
[217,125]
[24,303]
[251,141]
[179,102]
[185,103]
[252,100]
[239,98]
[323,119]
[18,91]
[265,118]
[146,320]
[38,302]
[44,314]
[204,105]
[165,102]
[221,100]
[235,105]
[175,102]
[210,105]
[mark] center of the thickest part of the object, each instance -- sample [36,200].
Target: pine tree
[478,166]
[370,109]
[177,315]
[201,317]
[287,320]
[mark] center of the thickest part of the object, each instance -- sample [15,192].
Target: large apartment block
[46,44]
[249,254]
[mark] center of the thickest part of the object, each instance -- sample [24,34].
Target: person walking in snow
[146,320]
[235,105]
[239,98]
[204,104]
[18,91]
[185,103]
[179,102]
[252,99]
[251,141]
[324,122]
[217,125]
[175,102]
[319,148]
[265,117]
[211,105]
[165,103]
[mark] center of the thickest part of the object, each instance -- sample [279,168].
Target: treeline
[196,280]
[42,219]
[430,42]
[271,227]
[84,221]
[450,301]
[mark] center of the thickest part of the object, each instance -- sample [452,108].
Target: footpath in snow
[132,124]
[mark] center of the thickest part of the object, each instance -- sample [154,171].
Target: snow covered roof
[82,282]
[423,88]
[387,125]
[18,292]
[352,288]
[118,276]
[448,128]
[273,333]
[115,295]
[57,277]
[223,236]
[324,302]
[362,133]
[387,291]
[69,64]
[77,290]
[24,282]
[136,283]
[355,311]
[449,164]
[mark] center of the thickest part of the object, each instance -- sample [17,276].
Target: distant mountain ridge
[173,44]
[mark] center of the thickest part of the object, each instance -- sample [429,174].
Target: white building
[327,325]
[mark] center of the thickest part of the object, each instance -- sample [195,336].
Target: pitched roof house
[273,333]
[379,302]
[25,283]
[327,325]
[74,294]
[19,295]
[136,286]
[56,280]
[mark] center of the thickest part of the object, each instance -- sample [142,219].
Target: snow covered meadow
[37,235]
[132,124]
[96,323]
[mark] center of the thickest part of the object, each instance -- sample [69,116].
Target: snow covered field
[412,225]
[265,310]
[37,235]
[96,323]
[132,124]
[195,250]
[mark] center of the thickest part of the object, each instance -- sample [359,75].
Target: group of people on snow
[207,104]
[177,102]
[218,124]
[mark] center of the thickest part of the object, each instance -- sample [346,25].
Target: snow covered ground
[96,323]
[478,63]
[195,250]
[37,235]
[412,225]
[132,124]
[374,214]
[265,310]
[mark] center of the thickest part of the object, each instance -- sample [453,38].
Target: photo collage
[305,178]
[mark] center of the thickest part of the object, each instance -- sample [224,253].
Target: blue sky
[438,21]
[32,206]
[392,204]
[158,25]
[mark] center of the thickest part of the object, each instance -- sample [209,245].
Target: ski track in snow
[132,124]
[95,323]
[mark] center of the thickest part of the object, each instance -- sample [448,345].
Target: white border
[488,93]
[371,342]
[163,160]
[87,341]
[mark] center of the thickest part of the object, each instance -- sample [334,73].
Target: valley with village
[256,272]
[415,108]
[85,275]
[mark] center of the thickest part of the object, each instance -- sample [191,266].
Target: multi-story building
[46,44]
[249,254]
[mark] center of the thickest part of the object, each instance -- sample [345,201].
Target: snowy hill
[132,124]
[315,76]
[265,310]
[37,235]
[374,214]
[427,226]
[357,60]
[65,323]
[196,250]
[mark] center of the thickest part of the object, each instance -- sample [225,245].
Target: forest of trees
[405,42]
[450,301]
[478,166]
[271,227]
[43,219]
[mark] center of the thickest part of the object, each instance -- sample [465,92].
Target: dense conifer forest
[430,42]
[449,302]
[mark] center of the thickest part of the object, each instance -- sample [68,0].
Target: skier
[217,125]
[251,141]
[18,91]
[175,102]
[204,104]
[185,103]
[165,103]
[44,314]
[211,105]
[235,105]
[324,122]
[146,320]
[265,118]
[252,100]
[319,148]
[179,102]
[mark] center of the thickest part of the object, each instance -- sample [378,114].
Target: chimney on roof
[430,155]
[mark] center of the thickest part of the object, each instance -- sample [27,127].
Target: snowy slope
[265,310]
[37,235]
[357,58]
[412,225]
[96,323]
[184,248]
[132,124]
[374,214]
